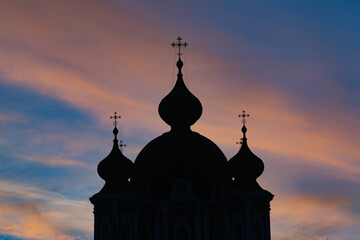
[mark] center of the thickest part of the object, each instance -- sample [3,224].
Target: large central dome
[180,153]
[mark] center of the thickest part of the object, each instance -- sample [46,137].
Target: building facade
[181,186]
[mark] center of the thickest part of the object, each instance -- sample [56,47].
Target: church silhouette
[181,186]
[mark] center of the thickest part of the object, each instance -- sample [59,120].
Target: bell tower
[248,203]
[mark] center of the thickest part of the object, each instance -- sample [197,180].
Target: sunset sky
[66,66]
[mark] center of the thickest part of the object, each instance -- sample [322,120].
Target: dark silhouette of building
[181,186]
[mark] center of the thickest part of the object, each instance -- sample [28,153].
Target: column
[166,222]
[248,223]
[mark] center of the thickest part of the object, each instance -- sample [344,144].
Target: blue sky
[66,66]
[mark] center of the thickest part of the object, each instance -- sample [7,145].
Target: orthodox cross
[179,44]
[115,117]
[244,116]
[121,145]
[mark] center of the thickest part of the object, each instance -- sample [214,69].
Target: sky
[66,66]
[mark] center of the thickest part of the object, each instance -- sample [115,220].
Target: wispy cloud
[99,58]
[311,217]
[278,125]
[6,118]
[38,214]
[53,161]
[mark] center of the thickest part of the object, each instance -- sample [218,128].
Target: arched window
[237,230]
[182,231]
[259,231]
[125,231]
[105,227]
[258,225]
[145,233]
[218,234]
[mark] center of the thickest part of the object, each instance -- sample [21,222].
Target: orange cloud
[53,161]
[31,213]
[277,125]
[25,220]
[95,59]
[310,217]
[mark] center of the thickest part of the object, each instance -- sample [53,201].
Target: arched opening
[145,233]
[259,231]
[125,231]
[237,230]
[182,231]
[218,234]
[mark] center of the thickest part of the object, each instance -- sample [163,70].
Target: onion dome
[180,108]
[245,166]
[115,169]
[180,153]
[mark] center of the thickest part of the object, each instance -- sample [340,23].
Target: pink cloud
[53,161]
[97,60]
[31,213]
[278,126]
[310,217]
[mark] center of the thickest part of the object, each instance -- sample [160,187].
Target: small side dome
[115,169]
[245,167]
[180,108]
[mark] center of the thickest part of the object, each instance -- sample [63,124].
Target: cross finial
[121,145]
[179,44]
[244,116]
[115,117]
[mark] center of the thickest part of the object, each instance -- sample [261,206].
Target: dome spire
[115,169]
[244,116]
[179,44]
[245,166]
[243,129]
[180,108]
[115,131]
[115,117]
